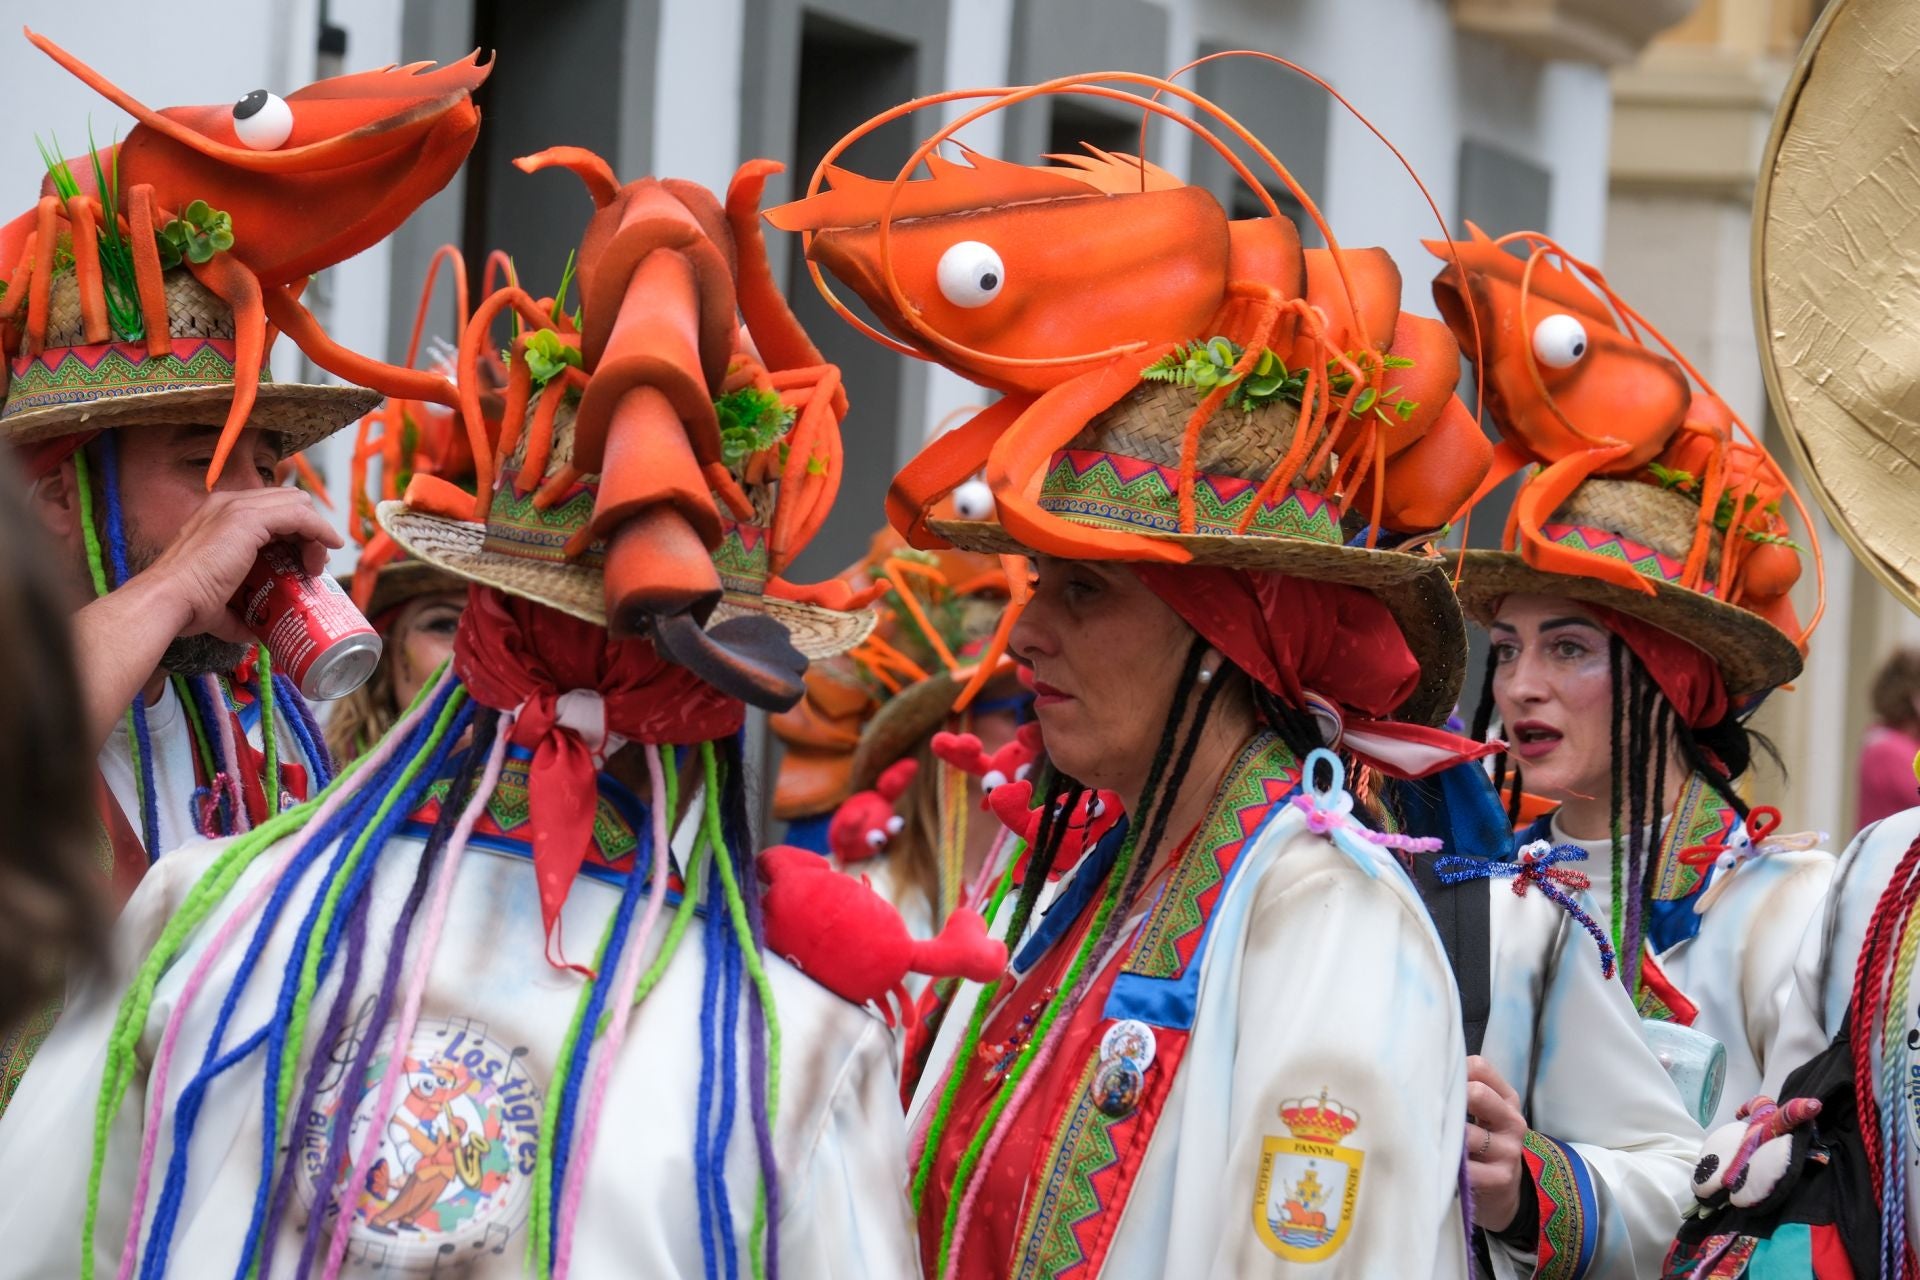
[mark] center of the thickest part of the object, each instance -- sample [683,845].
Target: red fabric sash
[1297,636]
[572,690]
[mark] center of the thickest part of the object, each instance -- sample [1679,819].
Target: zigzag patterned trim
[1642,559]
[509,810]
[1702,817]
[1113,491]
[108,370]
[1263,775]
[1082,1148]
[1569,1211]
[742,558]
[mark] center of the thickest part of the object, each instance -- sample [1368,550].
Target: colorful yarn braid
[739,835]
[349,879]
[716,1090]
[1879,1102]
[270,790]
[410,1003]
[290,1009]
[321,814]
[751,947]
[540,1241]
[352,1085]
[131,1019]
[612,1030]
[307,732]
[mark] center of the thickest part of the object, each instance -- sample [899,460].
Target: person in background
[1887,754]
[52,907]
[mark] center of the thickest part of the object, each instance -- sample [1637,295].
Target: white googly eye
[876,838]
[1096,807]
[973,501]
[992,779]
[1559,341]
[263,120]
[971,274]
[894,824]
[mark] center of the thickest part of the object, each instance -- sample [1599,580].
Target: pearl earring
[1204,675]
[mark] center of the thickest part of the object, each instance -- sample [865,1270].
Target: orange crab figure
[1580,385]
[302,182]
[1059,285]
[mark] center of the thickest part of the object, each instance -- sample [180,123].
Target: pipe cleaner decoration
[1538,865]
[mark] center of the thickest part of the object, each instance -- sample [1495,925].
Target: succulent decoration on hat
[1178,386]
[655,466]
[1649,495]
[147,283]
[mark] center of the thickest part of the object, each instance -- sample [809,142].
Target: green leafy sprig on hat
[195,236]
[117,278]
[1685,483]
[1205,365]
[751,420]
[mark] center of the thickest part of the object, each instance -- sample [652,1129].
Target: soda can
[308,625]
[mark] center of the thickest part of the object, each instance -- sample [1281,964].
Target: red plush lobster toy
[1010,763]
[861,827]
[839,932]
[1089,820]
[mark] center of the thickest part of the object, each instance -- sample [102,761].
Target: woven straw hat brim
[459,546]
[1415,590]
[301,414]
[399,581]
[1753,655]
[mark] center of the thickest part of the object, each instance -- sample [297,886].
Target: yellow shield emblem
[1308,1185]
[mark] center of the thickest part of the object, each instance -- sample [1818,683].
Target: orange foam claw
[1427,485]
[228,279]
[834,593]
[806,497]
[651,463]
[993,658]
[149,280]
[310,480]
[728,490]
[1018,464]
[1544,495]
[474,339]
[943,466]
[540,434]
[86,269]
[436,497]
[284,309]
[595,173]
[556,487]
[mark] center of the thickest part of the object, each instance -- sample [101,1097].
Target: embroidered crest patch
[1309,1183]
[453,1170]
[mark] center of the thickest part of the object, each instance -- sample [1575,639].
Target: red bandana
[1686,675]
[1298,636]
[572,690]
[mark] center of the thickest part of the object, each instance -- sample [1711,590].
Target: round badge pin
[1129,1038]
[1116,1087]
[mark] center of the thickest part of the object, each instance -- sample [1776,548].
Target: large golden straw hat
[521,549]
[1121,472]
[1836,278]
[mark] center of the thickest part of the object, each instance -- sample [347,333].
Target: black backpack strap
[1462,917]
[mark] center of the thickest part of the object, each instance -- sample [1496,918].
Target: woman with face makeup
[1636,619]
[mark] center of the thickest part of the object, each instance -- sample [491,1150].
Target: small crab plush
[839,932]
[1090,820]
[1010,763]
[862,826]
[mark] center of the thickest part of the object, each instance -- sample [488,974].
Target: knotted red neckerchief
[1686,675]
[1298,638]
[574,696]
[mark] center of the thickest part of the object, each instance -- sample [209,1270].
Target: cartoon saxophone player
[447,1149]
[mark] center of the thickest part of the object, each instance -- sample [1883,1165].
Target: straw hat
[520,549]
[1836,254]
[72,386]
[1122,472]
[1650,528]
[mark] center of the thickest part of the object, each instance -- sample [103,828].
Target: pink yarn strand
[344,1195]
[229,754]
[203,968]
[626,981]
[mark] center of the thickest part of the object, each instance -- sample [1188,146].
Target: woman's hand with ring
[1495,1129]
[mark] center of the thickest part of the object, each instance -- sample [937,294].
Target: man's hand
[119,638]
[204,564]
[1495,1128]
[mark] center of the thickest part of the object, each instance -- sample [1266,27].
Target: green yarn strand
[269,735]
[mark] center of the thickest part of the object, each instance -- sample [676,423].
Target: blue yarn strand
[597,996]
[729,1095]
[116,521]
[149,793]
[352,815]
[702,1134]
[306,731]
[117,561]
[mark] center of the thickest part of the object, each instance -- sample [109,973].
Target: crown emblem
[1317,1119]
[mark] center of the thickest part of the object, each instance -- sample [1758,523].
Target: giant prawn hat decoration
[1177,386]
[149,280]
[1650,496]
[1836,253]
[656,465]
